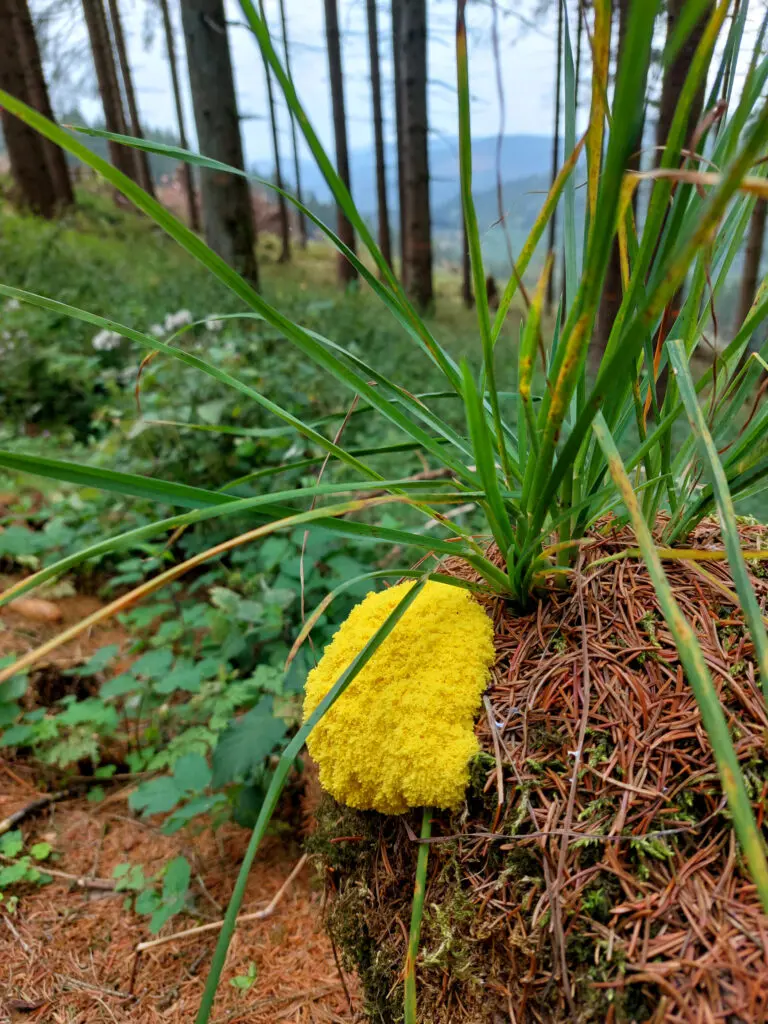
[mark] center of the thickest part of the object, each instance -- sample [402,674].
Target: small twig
[15,934]
[496,748]
[215,926]
[31,808]
[79,881]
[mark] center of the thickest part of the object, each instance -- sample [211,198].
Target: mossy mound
[632,905]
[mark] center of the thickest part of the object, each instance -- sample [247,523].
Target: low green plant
[19,867]
[160,897]
[546,476]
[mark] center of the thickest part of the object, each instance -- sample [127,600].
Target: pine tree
[109,87]
[228,222]
[385,243]
[412,72]
[140,157]
[294,138]
[37,97]
[282,202]
[345,231]
[186,170]
[26,153]
[397,18]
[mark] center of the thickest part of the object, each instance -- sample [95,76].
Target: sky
[527,49]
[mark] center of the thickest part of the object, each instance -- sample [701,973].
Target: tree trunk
[37,92]
[26,152]
[294,139]
[109,88]
[676,73]
[345,232]
[550,299]
[186,170]
[412,72]
[385,242]
[397,18]
[752,259]
[140,157]
[613,291]
[672,84]
[282,202]
[228,222]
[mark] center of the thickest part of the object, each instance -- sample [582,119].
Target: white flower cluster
[106,341]
[176,320]
[182,318]
[12,305]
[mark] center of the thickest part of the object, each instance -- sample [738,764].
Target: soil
[67,954]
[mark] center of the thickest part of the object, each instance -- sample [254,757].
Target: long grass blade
[473,236]
[417,912]
[276,785]
[727,513]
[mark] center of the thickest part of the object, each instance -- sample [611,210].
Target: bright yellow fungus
[402,734]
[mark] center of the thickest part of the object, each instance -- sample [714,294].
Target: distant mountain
[522,156]
[523,199]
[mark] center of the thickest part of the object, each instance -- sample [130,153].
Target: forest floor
[67,952]
[68,948]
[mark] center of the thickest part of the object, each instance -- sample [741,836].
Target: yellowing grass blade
[533,239]
[601,56]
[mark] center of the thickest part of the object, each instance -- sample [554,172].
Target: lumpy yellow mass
[402,734]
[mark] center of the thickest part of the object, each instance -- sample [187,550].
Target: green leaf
[156,796]
[185,675]
[11,843]
[176,878]
[16,872]
[246,743]
[98,661]
[191,773]
[17,736]
[153,664]
[13,689]
[41,851]
[119,686]
[92,711]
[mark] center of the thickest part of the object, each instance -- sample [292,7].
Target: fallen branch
[78,881]
[257,915]
[32,808]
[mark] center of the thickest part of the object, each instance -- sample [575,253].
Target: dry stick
[80,881]
[15,934]
[257,915]
[496,748]
[31,808]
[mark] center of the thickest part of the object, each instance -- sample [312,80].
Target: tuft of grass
[553,469]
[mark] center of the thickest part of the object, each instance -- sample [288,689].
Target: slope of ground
[67,950]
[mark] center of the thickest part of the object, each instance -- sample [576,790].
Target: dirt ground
[67,953]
